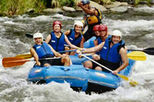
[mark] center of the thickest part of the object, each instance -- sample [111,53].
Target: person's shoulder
[67,32]
[123,50]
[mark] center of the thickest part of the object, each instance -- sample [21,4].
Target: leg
[96,57]
[67,48]
[66,60]
[46,65]
[88,64]
[98,68]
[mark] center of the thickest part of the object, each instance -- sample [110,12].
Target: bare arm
[34,54]
[69,43]
[125,62]
[48,39]
[55,53]
[95,42]
[67,32]
[88,11]
[94,49]
[82,42]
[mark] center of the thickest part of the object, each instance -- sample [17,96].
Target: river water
[138,32]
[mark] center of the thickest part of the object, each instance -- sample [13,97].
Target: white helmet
[117,33]
[79,23]
[37,35]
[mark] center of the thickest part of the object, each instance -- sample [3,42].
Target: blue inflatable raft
[79,78]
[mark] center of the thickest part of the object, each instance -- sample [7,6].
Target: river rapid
[138,32]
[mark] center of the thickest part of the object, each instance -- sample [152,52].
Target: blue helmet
[85,2]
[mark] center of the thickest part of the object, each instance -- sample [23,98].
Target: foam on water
[145,9]
[127,26]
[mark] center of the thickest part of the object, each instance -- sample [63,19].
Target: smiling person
[42,50]
[58,39]
[113,53]
[75,35]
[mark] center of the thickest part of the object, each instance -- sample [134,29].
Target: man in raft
[92,17]
[113,53]
[41,50]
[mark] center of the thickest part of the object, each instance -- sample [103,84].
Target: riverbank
[114,8]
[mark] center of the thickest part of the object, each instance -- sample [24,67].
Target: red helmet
[57,22]
[103,28]
[96,28]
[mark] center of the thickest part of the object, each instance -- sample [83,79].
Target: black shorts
[110,65]
[51,61]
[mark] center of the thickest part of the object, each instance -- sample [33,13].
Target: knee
[88,64]
[96,57]
[67,48]
[66,60]
[98,68]
[47,65]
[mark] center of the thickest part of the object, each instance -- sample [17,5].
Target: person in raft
[93,16]
[75,35]
[41,51]
[112,52]
[58,39]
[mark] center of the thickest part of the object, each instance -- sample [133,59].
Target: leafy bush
[60,3]
[15,7]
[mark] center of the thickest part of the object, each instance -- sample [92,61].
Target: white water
[15,88]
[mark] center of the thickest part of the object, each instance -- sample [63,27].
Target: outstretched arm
[87,10]
[94,49]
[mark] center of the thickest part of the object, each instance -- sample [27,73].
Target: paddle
[133,83]
[27,56]
[149,51]
[137,55]
[17,61]
[29,35]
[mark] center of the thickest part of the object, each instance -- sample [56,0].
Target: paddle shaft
[97,63]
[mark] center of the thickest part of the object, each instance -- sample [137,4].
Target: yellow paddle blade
[137,55]
[123,77]
[131,82]
[25,56]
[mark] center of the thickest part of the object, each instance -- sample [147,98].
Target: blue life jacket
[57,43]
[43,50]
[72,39]
[99,40]
[111,54]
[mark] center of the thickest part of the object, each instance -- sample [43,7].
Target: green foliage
[15,7]
[60,3]
[103,1]
[138,1]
